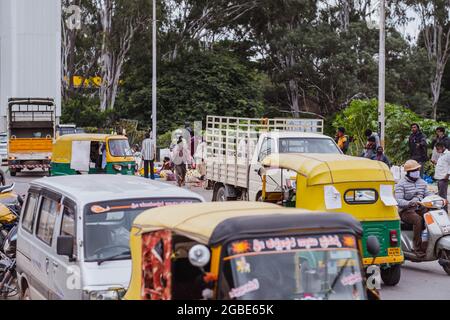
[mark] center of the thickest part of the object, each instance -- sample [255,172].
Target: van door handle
[47,263]
[55,264]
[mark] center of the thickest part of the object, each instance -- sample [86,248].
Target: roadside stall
[92,154]
[338,183]
[246,251]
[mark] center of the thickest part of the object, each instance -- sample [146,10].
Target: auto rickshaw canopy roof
[320,169]
[62,147]
[214,223]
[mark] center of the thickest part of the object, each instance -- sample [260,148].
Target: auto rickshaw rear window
[361,196]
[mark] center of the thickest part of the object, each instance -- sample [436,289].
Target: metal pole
[382,75]
[154,83]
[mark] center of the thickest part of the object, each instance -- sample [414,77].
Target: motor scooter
[435,235]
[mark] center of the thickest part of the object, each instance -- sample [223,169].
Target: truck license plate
[394,251]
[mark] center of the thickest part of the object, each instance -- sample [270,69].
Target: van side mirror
[64,246]
[373,246]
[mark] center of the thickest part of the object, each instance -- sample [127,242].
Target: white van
[73,237]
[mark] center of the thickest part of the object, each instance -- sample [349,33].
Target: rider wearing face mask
[409,192]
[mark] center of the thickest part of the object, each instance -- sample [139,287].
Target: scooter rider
[409,191]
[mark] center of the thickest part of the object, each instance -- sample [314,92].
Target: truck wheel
[221,194]
[391,275]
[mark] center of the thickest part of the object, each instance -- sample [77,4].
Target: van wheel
[221,194]
[391,275]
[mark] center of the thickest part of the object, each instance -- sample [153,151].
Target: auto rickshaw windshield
[300,268]
[120,148]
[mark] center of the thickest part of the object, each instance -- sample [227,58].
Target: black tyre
[13,173]
[2,178]
[221,194]
[25,294]
[445,254]
[391,276]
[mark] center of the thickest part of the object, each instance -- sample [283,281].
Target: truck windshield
[308,145]
[107,225]
[119,148]
[323,267]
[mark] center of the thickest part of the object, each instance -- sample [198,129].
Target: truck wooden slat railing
[231,141]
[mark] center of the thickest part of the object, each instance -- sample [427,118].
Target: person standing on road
[380,156]
[181,157]
[441,136]
[369,134]
[418,146]
[409,191]
[342,140]
[370,149]
[442,171]
[148,155]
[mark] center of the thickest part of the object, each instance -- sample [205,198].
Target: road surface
[420,281]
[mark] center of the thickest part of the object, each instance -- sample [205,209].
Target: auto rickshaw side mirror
[199,255]
[373,246]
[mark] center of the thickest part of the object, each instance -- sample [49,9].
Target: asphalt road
[420,281]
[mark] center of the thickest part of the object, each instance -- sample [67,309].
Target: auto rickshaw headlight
[199,255]
[117,167]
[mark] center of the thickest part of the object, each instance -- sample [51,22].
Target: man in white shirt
[149,155]
[181,156]
[442,171]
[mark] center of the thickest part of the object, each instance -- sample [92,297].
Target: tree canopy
[250,58]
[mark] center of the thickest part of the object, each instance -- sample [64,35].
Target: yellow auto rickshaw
[246,251]
[339,183]
[92,154]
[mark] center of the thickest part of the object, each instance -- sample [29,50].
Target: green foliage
[165,139]
[190,88]
[363,114]
[84,112]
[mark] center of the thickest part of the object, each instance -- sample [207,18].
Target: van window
[28,214]
[47,219]
[68,225]
[107,225]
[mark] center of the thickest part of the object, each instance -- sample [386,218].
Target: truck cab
[281,143]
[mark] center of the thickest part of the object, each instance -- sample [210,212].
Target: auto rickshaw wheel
[391,275]
[445,255]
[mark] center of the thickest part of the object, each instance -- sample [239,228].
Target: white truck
[236,146]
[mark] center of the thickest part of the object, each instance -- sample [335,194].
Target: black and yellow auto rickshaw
[91,154]
[340,183]
[246,251]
